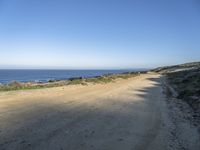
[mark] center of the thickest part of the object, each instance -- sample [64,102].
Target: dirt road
[129,114]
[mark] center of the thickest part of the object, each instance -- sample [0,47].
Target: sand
[130,114]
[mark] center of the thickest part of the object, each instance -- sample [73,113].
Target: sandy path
[125,115]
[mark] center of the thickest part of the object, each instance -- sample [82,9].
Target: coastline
[44,75]
[16,85]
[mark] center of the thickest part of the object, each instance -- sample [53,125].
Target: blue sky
[98,34]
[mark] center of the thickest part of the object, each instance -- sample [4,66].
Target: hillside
[177,68]
[185,81]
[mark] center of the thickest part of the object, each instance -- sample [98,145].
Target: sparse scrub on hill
[182,67]
[187,85]
[185,80]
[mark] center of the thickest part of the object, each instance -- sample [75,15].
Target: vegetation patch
[101,79]
[15,85]
[77,81]
[187,85]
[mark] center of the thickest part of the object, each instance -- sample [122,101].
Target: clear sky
[98,34]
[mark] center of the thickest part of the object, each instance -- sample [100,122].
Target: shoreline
[105,78]
[43,76]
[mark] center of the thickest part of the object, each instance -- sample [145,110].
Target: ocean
[7,76]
